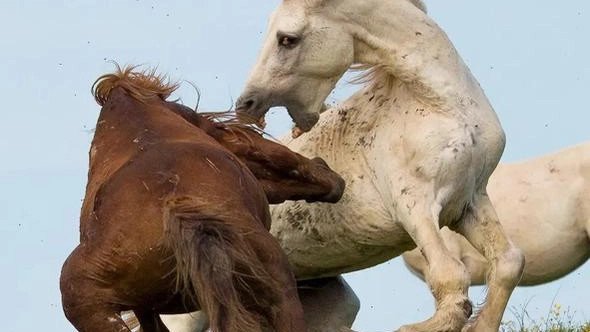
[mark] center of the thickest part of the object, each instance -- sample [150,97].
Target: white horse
[416,146]
[544,205]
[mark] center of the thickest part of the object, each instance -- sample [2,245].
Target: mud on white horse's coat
[544,206]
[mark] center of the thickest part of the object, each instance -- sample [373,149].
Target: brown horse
[176,218]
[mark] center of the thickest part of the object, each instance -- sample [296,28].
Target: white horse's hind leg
[482,228]
[446,276]
[328,304]
[193,322]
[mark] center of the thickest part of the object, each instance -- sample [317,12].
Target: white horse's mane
[377,74]
[418,3]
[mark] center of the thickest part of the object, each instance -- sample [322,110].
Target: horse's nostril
[245,105]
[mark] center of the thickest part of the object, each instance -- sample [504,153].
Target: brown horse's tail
[140,84]
[215,262]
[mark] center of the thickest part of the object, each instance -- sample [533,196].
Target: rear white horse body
[544,206]
[416,147]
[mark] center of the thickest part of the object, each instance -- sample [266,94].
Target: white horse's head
[309,46]
[305,53]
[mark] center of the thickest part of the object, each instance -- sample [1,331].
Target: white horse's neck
[405,43]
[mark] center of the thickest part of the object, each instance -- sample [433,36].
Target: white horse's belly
[542,205]
[557,242]
[555,263]
[329,239]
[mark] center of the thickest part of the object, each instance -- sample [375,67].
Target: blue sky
[530,57]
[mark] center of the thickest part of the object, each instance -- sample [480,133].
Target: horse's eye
[287,41]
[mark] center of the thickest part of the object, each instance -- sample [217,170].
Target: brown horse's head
[284,174]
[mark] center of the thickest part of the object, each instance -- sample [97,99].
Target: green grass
[558,319]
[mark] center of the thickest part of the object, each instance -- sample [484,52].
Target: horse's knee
[509,267]
[449,277]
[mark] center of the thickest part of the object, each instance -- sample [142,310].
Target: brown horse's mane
[144,85]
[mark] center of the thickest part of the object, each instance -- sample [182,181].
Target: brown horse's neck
[122,128]
[195,119]
[120,125]
[218,131]
[125,127]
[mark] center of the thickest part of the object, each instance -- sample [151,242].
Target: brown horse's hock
[175,216]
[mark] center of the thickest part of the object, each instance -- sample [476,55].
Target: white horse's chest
[329,239]
[359,231]
[386,152]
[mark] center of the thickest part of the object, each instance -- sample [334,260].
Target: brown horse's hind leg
[150,321]
[84,302]
[287,314]
[95,318]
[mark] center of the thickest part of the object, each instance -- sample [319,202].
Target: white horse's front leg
[446,276]
[482,228]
